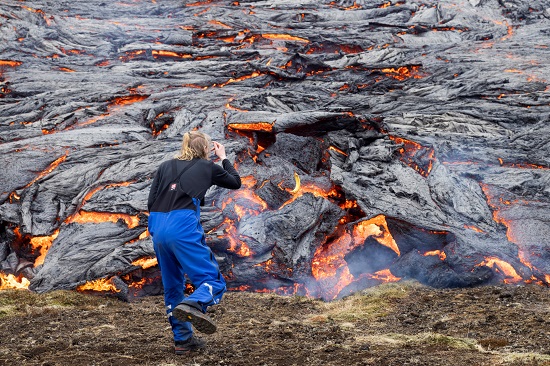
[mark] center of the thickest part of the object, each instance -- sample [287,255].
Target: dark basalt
[435,115]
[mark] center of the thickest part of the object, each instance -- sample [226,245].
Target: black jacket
[165,197]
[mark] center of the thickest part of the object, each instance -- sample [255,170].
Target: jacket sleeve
[226,176]
[153,193]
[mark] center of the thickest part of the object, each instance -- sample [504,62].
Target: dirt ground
[394,324]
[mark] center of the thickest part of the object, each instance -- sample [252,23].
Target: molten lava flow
[241,78]
[230,107]
[66,69]
[283,37]
[43,243]
[49,169]
[10,63]
[113,106]
[11,282]
[161,53]
[131,55]
[257,126]
[128,99]
[378,228]
[354,6]
[503,267]
[216,22]
[145,263]
[96,189]
[329,265]
[297,186]
[385,276]
[403,72]
[85,217]
[474,228]
[244,202]
[411,152]
[339,151]
[100,285]
[439,253]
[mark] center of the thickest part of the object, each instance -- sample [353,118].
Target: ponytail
[194,145]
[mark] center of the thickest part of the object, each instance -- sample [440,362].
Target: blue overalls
[180,246]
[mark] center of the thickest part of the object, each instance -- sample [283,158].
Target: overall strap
[174,169]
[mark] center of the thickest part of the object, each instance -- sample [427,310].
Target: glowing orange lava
[85,217]
[43,243]
[145,262]
[412,149]
[49,169]
[100,285]
[11,282]
[256,126]
[403,72]
[438,253]
[162,53]
[10,63]
[283,37]
[502,267]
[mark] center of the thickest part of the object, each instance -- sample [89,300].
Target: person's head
[194,145]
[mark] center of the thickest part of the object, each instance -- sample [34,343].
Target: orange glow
[229,106]
[410,150]
[334,148]
[502,267]
[10,63]
[257,126]
[43,243]
[96,189]
[236,245]
[161,53]
[101,285]
[354,6]
[145,262]
[328,262]
[128,99]
[66,69]
[439,253]
[11,282]
[241,78]
[403,72]
[240,288]
[216,22]
[283,37]
[199,3]
[297,185]
[131,54]
[385,5]
[474,228]
[385,275]
[309,188]
[85,217]
[49,169]
[371,227]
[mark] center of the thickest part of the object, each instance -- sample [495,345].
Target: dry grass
[21,302]
[372,303]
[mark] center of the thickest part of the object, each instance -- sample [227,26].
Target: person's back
[174,202]
[171,193]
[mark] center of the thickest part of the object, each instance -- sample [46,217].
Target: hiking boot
[189,345]
[201,322]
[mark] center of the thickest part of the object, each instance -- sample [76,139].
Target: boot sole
[200,321]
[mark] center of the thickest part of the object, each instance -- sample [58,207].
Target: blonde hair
[194,145]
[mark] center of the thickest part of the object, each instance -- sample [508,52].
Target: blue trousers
[179,242]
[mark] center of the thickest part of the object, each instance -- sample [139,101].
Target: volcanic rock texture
[377,140]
